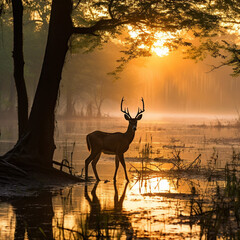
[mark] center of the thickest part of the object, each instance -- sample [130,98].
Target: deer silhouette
[112,143]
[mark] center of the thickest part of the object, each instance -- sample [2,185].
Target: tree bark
[19,66]
[41,120]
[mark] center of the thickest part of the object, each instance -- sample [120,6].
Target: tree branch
[110,9]
[216,67]
[79,1]
[101,25]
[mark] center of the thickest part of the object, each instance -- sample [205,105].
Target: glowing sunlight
[159,45]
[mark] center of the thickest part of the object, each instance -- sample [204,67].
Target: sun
[161,51]
[159,46]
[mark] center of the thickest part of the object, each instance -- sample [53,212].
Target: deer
[112,143]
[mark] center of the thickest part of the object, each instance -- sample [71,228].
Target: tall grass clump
[145,147]
[219,213]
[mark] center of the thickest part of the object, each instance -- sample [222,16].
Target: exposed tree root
[25,171]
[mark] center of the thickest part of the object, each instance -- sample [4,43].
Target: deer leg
[121,158]
[87,161]
[116,167]
[94,163]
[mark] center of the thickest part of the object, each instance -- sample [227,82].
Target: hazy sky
[168,84]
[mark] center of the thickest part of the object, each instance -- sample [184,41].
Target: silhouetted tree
[22,98]
[98,98]
[89,112]
[70,103]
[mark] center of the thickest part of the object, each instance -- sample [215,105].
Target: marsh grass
[145,148]
[170,166]
[67,157]
[219,123]
[82,230]
[218,212]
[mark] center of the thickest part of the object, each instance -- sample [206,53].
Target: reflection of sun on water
[164,185]
[63,220]
[153,211]
[152,185]
[139,195]
[69,221]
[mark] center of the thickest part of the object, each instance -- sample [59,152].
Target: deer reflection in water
[102,221]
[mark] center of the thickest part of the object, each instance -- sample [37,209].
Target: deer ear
[139,117]
[126,117]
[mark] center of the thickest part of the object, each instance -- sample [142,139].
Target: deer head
[132,121]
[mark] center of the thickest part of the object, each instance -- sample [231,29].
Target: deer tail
[88,143]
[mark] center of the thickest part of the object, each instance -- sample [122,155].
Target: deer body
[106,142]
[111,143]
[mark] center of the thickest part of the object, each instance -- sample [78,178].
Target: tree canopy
[205,27]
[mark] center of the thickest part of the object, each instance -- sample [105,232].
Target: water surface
[154,205]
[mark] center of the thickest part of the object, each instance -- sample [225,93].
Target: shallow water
[151,206]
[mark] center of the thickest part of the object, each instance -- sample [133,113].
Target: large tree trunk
[36,146]
[19,66]
[41,120]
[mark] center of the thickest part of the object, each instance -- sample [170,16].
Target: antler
[140,110]
[125,111]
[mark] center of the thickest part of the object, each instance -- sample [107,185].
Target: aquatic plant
[67,159]
[218,214]
[145,149]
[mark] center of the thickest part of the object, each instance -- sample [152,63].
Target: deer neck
[130,134]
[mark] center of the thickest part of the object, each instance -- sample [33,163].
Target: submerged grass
[176,166]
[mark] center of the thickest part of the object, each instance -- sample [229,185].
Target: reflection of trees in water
[106,222]
[33,216]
